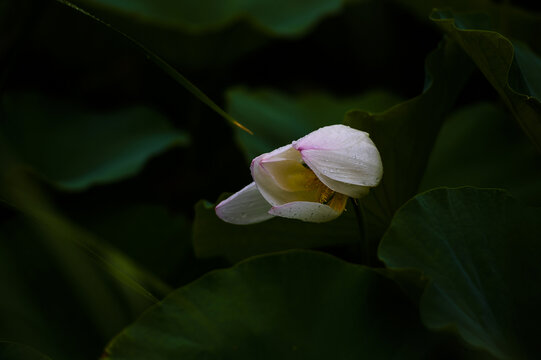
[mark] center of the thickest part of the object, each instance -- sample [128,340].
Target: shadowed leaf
[75,149]
[283,17]
[480,145]
[511,67]
[294,305]
[480,251]
[214,237]
[14,351]
[405,134]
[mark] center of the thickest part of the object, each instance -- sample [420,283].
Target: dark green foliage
[14,351]
[405,133]
[283,306]
[280,18]
[112,161]
[93,148]
[277,119]
[512,69]
[42,277]
[480,251]
[479,145]
[213,237]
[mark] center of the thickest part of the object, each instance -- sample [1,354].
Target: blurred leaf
[16,18]
[57,299]
[201,50]
[148,234]
[214,237]
[162,64]
[75,149]
[277,118]
[294,305]
[61,282]
[68,242]
[480,249]
[423,8]
[14,351]
[98,50]
[405,134]
[509,18]
[518,24]
[512,68]
[479,145]
[283,17]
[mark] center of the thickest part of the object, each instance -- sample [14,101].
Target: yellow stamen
[325,195]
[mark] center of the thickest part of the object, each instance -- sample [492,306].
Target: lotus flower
[309,179]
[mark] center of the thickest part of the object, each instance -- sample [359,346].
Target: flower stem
[365,244]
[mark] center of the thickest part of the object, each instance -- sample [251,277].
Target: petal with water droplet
[246,206]
[343,158]
[305,211]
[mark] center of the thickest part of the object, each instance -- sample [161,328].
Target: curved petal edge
[305,211]
[343,158]
[246,206]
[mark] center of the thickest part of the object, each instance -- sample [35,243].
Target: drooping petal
[305,211]
[343,158]
[246,206]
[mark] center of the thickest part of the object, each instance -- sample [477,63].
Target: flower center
[293,175]
[324,194]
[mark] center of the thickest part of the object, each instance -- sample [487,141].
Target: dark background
[49,48]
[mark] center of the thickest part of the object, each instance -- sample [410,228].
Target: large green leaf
[512,68]
[75,149]
[281,17]
[405,134]
[480,145]
[15,351]
[213,237]
[480,249]
[294,305]
[277,118]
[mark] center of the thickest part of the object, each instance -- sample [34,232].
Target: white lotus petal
[343,158]
[351,190]
[305,211]
[282,153]
[273,176]
[246,206]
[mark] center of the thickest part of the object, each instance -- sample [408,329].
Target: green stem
[169,70]
[365,244]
